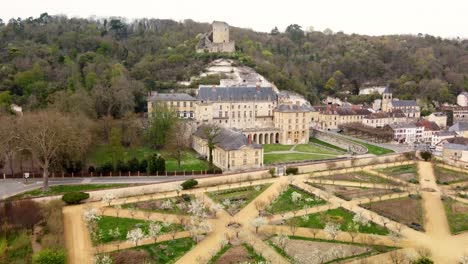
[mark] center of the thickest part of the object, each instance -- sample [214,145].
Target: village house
[429,129]
[439,136]
[455,152]
[410,108]
[292,120]
[331,117]
[407,132]
[439,118]
[461,128]
[381,119]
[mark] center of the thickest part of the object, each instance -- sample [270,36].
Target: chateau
[248,116]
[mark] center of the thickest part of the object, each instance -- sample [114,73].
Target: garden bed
[359,176]
[407,172]
[350,192]
[236,254]
[448,176]
[457,215]
[173,205]
[284,203]
[233,200]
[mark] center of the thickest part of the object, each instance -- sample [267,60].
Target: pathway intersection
[437,239]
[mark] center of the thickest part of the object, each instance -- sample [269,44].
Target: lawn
[376,150]
[340,216]
[269,158]
[163,252]
[238,197]
[457,215]
[315,149]
[62,189]
[323,143]
[106,223]
[102,154]
[283,203]
[276,147]
[448,176]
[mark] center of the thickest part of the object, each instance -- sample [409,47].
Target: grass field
[284,202]
[457,215]
[167,252]
[340,216]
[62,189]
[102,154]
[106,223]
[269,158]
[276,147]
[323,143]
[316,149]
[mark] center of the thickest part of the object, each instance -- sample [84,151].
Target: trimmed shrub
[272,172]
[133,165]
[189,184]
[121,166]
[91,169]
[143,167]
[426,155]
[156,163]
[105,168]
[292,170]
[48,256]
[74,197]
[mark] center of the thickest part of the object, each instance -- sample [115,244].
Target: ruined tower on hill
[217,40]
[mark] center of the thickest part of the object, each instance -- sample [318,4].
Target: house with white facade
[462,99]
[381,119]
[439,136]
[407,132]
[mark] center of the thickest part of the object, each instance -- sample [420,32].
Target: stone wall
[339,141]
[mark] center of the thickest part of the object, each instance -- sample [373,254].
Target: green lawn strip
[397,170]
[283,202]
[167,252]
[175,210]
[62,189]
[276,147]
[373,149]
[315,149]
[102,154]
[440,172]
[458,222]
[270,158]
[376,249]
[248,194]
[323,143]
[106,223]
[340,216]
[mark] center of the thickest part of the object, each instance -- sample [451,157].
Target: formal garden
[277,153]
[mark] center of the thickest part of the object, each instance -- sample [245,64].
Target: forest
[105,67]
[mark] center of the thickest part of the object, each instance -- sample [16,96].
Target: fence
[37,174]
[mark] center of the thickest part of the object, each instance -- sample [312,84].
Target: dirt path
[77,239]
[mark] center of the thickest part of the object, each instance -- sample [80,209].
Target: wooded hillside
[105,67]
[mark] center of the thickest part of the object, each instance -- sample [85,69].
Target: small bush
[189,184]
[105,168]
[426,155]
[48,256]
[133,165]
[292,170]
[91,169]
[272,172]
[143,166]
[186,197]
[121,166]
[74,197]
[156,164]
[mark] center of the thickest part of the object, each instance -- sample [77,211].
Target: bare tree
[50,135]
[211,134]
[178,140]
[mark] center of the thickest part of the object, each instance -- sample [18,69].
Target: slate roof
[171,97]
[445,133]
[216,93]
[458,140]
[394,113]
[293,108]
[459,126]
[228,139]
[403,125]
[455,146]
[387,90]
[404,103]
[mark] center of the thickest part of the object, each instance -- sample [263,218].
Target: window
[220,113]
[191,104]
[185,104]
[178,104]
[256,161]
[245,162]
[226,114]
[221,107]
[256,153]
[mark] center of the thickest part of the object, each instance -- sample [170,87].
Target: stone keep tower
[386,99]
[220,32]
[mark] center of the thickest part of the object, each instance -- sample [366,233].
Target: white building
[439,118]
[408,132]
[462,99]
[381,119]
[437,137]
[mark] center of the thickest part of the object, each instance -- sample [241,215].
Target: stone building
[292,121]
[217,40]
[387,97]
[331,117]
[439,118]
[381,119]
[233,150]
[183,104]
[409,107]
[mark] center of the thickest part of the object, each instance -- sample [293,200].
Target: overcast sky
[447,18]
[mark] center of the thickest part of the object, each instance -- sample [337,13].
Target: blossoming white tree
[91,215]
[332,230]
[135,235]
[154,230]
[215,208]
[102,259]
[296,197]
[108,198]
[258,222]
